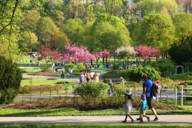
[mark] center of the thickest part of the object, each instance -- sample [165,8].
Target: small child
[142,108]
[128,105]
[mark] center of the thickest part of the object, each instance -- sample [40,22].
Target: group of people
[150,90]
[87,76]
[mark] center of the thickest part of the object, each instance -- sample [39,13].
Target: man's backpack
[154,90]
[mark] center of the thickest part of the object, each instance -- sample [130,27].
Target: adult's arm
[144,89]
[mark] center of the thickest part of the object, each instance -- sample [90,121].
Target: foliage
[70,65]
[119,90]
[145,51]
[182,76]
[73,53]
[168,83]
[9,47]
[113,7]
[47,31]
[108,32]
[10,78]
[137,73]
[28,41]
[30,20]
[91,90]
[166,6]
[46,51]
[157,30]
[165,66]
[125,51]
[74,29]
[183,25]
[182,52]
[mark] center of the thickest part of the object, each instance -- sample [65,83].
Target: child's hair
[143,97]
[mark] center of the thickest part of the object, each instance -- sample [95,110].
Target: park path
[97,119]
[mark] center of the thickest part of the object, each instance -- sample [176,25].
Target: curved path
[175,119]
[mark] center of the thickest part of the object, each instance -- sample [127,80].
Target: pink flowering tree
[73,53]
[147,52]
[102,54]
[46,51]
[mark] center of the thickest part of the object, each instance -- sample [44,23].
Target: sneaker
[124,121]
[141,120]
[156,119]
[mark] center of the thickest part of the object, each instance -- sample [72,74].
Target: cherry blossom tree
[146,52]
[73,53]
[102,54]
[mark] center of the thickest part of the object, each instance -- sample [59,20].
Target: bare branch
[12,16]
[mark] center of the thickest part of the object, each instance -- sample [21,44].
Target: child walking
[142,108]
[128,105]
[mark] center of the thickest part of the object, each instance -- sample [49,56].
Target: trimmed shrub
[10,78]
[136,73]
[91,90]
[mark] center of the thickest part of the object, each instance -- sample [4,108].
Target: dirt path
[101,119]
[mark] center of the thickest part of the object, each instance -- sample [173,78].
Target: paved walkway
[101,119]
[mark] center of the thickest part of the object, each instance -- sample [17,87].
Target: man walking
[147,89]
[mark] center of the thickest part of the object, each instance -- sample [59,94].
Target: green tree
[47,31]
[113,7]
[73,8]
[28,41]
[29,21]
[74,29]
[182,52]
[183,25]
[149,6]
[10,78]
[157,30]
[108,32]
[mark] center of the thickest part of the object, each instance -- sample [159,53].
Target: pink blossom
[145,51]
[77,54]
[102,54]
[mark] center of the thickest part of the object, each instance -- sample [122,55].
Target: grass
[30,69]
[95,125]
[36,81]
[72,111]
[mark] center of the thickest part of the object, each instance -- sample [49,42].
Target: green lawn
[30,69]
[36,81]
[95,125]
[72,111]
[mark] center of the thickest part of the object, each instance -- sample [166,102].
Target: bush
[165,66]
[92,90]
[136,73]
[10,78]
[72,66]
[182,76]
[119,90]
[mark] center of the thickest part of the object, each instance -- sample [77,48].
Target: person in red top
[87,76]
